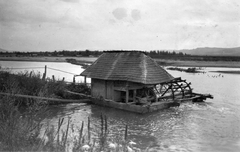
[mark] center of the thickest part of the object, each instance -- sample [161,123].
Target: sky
[48,25]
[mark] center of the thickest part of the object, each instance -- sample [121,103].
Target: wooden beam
[127,96]
[134,95]
[48,99]
[172,92]
[177,94]
[85,80]
[165,91]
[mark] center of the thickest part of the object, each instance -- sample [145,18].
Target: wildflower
[46,140]
[136,149]
[112,146]
[132,143]
[129,149]
[86,148]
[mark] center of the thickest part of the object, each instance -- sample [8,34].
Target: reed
[31,83]
[21,131]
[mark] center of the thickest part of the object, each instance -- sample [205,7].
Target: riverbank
[179,63]
[48,59]
[162,62]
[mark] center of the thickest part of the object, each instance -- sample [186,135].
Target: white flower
[85,147]
[112,146]
[129,149]
[136,149]
[132,143]
[46,140]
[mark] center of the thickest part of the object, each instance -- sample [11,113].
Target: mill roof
[127,66]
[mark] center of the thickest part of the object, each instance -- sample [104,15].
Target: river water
[213,126]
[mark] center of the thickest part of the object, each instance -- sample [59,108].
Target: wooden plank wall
[98,88]
[109,90]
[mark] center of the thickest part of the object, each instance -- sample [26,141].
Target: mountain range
[212,51]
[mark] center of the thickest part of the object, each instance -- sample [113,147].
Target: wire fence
[41,68]
[46,68]
[25,68]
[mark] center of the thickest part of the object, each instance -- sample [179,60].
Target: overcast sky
[47,25]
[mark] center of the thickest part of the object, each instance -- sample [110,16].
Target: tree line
[87,53]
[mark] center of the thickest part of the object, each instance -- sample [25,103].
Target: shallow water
[211,126]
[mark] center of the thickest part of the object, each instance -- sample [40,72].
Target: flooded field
[210,126]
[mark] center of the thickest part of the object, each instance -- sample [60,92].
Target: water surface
[212,126]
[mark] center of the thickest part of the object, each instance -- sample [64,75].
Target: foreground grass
[30,83]
[22,130]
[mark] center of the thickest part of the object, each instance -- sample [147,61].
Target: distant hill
[214,51]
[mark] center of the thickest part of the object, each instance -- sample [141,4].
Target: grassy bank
[179,63]
[30,83]
[22,130]
[48,59]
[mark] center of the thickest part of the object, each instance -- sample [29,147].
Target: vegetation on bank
[31,83]
[157,54]
[188,70]
[86,53]
[84,64]
[22,130]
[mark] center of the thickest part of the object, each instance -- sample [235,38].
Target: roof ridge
[125,51]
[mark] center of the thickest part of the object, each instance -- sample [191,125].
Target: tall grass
[21,130]
[30,83]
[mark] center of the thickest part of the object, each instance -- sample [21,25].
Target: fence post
[85,80]
[45,73]
[74,79]
[53,78]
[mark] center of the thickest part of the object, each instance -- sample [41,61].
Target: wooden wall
[98,88]
[112,90]
[102,88]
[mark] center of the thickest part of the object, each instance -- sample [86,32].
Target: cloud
[136,15]
[119,13]
[118,24]
[71,1]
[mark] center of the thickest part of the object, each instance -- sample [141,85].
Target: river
[213,126]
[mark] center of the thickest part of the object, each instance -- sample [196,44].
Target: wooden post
[172,91]
[105,85]
[127,92]
[127,95]
[45,73]
[134,95]
[74,80]
[53,78]
[85,80]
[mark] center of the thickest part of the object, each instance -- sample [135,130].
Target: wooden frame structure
[133,81]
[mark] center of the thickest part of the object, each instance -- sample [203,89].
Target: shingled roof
[127,66]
